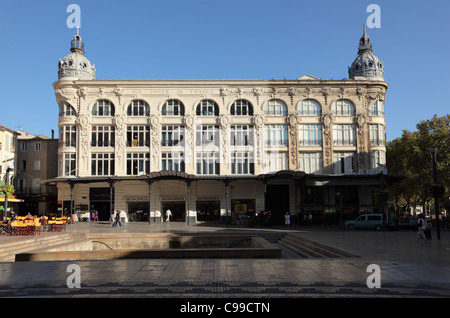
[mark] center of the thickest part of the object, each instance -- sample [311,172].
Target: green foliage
[7,190]
[408,156]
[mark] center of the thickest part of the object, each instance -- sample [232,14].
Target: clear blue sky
[224,39]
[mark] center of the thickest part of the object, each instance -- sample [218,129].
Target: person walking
[421,226]
[168,215]
[287,219]
[117,221]
[96,215]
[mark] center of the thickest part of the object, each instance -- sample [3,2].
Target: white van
[366,221]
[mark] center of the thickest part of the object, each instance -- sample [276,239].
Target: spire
[364,43]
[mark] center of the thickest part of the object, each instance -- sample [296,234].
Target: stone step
[305,248]
[8,250]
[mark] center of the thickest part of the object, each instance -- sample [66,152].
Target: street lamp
[433,154]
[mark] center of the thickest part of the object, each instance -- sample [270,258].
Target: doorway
[178,209]
[103,209]
[277,201]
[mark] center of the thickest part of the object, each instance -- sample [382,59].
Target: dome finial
[76,65]
[77,44]
[366,65]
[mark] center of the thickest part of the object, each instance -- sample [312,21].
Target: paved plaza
[407,268]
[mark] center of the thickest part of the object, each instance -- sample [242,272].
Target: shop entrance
[103,209]
[277,201]
[178,209]
[208,211]
[138,211]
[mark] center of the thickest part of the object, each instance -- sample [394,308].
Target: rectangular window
[376,109]
[138,164]
[207,163]
[242,163]
[275,161]
[241,135]
[37,165]
[69,164]
[23,146]
[102,164]
[68,136]
[173,161]
[207,135]
[37,146]
[344,135]
[103,136]
[276,135]
[138,136]
[310,135]
[344,162]
[172,136]
[377,137]
[311,162]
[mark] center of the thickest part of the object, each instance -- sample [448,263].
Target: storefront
[176,205]
[137,208]
[208,208]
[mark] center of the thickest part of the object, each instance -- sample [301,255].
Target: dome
[76,65]
[366,65]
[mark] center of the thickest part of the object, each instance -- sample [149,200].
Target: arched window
[343,107]
[275,107]
[103,108]
[173,107]
[138,108]
[241,107]
[207,108]
[309,107]
[65,109]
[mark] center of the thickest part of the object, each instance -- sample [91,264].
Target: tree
[407,156]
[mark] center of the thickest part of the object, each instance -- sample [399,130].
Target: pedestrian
[310,219]
[117,221]
[168,215]
[421,226]
[96,215]
[287,219]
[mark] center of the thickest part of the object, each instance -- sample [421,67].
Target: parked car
[366,221]
[403,224]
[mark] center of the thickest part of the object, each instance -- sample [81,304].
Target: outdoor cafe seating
[28,227]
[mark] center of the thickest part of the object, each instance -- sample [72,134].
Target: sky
[224,39]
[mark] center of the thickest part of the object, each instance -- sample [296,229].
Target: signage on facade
[136,199]
[172,198]
[208,198]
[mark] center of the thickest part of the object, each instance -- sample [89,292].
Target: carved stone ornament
[154,121]
[63,96]
[292,120]
[258,120]
[223,91]
[189,120]
[257,91]
[224,121]
[360,120]
[327,120]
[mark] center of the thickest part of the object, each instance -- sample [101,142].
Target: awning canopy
[183,176]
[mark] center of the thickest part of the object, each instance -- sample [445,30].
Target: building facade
[37,161]
[209,150]
[8,166]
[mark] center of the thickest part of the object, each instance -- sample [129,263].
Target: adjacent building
[8,164]
[37,161]
[209,150]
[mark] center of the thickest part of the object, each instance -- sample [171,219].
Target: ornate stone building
[211,149]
